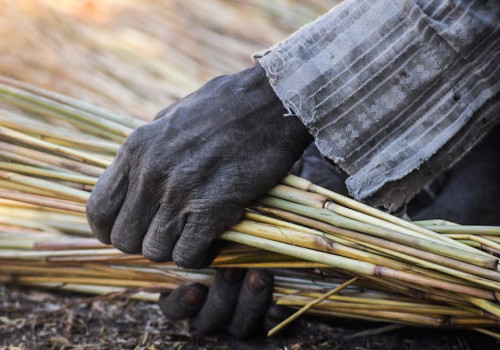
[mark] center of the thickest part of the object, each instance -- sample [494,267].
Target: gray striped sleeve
[394,91]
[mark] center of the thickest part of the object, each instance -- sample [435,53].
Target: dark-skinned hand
[180,181]
[238,301]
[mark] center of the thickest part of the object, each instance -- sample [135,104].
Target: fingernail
[256,282]
[233,276]
[192,298]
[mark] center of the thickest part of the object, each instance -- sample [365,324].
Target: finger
[193,248]
[162,234]
[221,300]
[107,198]
[134,218]
[254,299]
[184,301]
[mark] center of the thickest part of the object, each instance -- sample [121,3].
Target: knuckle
[135,140]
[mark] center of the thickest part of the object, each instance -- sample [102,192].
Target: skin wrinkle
[206,158]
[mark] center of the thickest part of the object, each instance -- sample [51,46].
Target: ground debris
[31,319]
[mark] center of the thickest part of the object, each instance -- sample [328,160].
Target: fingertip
[259,280]
[184,301]
[220,303]
[253,302]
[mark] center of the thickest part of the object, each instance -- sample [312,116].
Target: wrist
[287,125]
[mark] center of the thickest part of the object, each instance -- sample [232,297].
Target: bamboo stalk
[416,308]
[50,161]
[354,266]
[32,141]
[65,110]
[303,184]
[338,221]
[39,109]
[43,201]
[57,135]
[467,229]
[46,186]
[77,104]
[308,306]
[46,173]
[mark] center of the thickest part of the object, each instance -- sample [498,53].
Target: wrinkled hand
[179,182]
[238,301]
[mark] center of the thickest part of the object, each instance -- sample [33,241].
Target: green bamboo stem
[404,252]
[72,102]
[416,308]
[309,305]
[16,279]
[481,240]
[391,301]
[324,215]
[47,255]
[354,266]
[65,110]
[467,229]
[9,185]
[433,222]
[94,290]
[332,244]
[12,221]
[63,191]
[492,334]
[421,292]
[438,267]
[386,316]
[46,173]
[57,135]
[34,142]
[303,184]
[294,195]
[43,201]
[491,307]
[39,109]
[19,158]
[51,161]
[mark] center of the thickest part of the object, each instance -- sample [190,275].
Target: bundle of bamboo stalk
[371,265]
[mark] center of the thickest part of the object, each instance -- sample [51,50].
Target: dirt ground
[34,319]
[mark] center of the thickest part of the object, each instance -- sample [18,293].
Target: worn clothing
[389,87]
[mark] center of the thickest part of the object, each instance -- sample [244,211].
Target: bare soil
[34,319]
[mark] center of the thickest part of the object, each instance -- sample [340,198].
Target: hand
[237,301]
[179,182]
